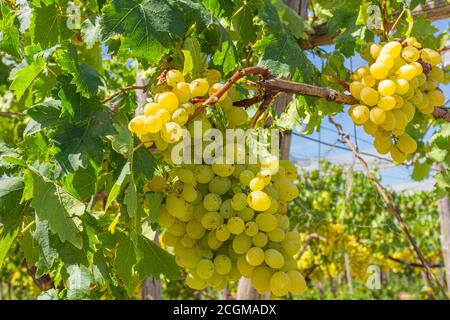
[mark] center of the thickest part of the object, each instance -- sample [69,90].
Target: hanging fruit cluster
[401,78]
[224,220]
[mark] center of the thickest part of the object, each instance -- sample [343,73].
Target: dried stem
[391,206]
[12,114]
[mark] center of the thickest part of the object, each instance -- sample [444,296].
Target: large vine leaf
[50,24]
[79,281]
[147,26]
[9,35]
[86,79]
[23,77]
[155,261]
[124,264]
[65,209]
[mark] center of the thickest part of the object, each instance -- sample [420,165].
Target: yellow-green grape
[417,97]
[222,264]
[276,235]
[261,279]
[391,49]
[406,72]
[185,175]
[222,232]
[182,91]
[368,81]
[236,225]
[398,132]
[414,82]
[157,184]
[211,220]
[360,72]
[409,109]
[274,258]
[195,230]
[219,185]
[355,89]
[437,74]
[291,247]
[246,214]
[226,210]
[377,115]
[151,108]
[171,132]
[375,50]
[422,79]
[258,200]
[223,169]
[216,87]
[398,156]
[241,243]
[386,60]
[203,173]
[399,101]
[387,103]
[163,115]
[168,100]
[189,107]
[189,193]
[153,124]
[178,228]
[165,219]
[199,87]
[436,98]
[173,77]
[430,56]
[410,54]
[360,114]
[205,269]
[246,176]
[389,122]
[244,268]
[279,284]
[226,104]
[402,86]
[257,184]
[379,71]
[175,205]
[297,283]
[169,239]
[180,116]
[370,128]
[195,282]
[406,144]
[386,87]
[239,201]
[212,202]
[255,256]
[401,120]
[419,68]
[236,116]
[251,228]
[213,76]
[137,125]
[260,239]
[382,144]
[369,96]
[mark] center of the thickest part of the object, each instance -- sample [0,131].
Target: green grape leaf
[65,209]
[42,239]
[115,190]
[147,26]
[155,261]
[144,165]
[86,79]
[50,24]
[131,199]
[90,29]
[43,115]
[82,183]
[153,203]
[30,250]
[79,281]
[195,13]
[124,263]
[424,31]
[9,35]
[242,21]
[122,140]
[7,238]
[225,56]
[23,77]
[421,170]
[193,58]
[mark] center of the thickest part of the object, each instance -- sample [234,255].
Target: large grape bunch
[222,221]
[402,78]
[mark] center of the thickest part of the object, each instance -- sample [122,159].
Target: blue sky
[307,152]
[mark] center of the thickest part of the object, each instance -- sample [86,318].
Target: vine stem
[414,264]
[12,114]
[391,206]
[122,91]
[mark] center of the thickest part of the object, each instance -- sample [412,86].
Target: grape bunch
[401,78]
[167,113]
[359,258]
[227,221]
